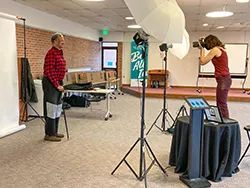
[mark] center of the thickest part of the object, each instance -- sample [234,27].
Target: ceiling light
[220,27]
[205,24]
[219,14]
[134,26]
[242,1]
[129,18]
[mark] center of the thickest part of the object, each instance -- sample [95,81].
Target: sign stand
[193,176]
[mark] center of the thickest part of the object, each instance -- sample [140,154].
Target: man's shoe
[52,138]
[58,135]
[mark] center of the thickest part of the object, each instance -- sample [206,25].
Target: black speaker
[100,39]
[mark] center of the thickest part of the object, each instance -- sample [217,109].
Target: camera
[201,41]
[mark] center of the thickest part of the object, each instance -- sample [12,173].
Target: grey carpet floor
[97,146]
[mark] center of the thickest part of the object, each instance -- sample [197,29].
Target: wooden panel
[157,75]
[157,71]
[22,112]
[19,76]
[110,75]
[22,109]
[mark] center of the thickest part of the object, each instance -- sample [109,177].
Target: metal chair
[247,129]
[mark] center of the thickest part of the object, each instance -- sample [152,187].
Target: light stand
[24,62]
[164,111]
[142,139]
[199,75]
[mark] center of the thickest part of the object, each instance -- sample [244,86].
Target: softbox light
[180,50]
[140,37]
[162,19]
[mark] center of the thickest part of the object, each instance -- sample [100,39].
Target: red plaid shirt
[54,66]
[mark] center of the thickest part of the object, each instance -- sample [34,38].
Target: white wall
[182,72]
[114,36]
[43,20]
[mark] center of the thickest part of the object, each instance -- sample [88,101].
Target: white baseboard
[12,130]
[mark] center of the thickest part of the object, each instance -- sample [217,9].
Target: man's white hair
[55,36]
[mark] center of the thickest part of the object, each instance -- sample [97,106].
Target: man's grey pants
[52,106]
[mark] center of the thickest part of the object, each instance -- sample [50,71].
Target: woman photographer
[219,58]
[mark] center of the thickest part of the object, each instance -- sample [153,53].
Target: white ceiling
[110,14]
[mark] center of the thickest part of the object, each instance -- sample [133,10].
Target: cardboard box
[84,77]
[110,75]
[93,76]
[69,79]
[96,77]
[102,76]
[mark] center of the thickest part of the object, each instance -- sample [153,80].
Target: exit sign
[105,31]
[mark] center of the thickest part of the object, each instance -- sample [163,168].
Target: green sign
[105,32]
[137,64]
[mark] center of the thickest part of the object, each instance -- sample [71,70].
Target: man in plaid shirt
[54,72]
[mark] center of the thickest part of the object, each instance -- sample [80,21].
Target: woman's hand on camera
[200,47]
[201,38]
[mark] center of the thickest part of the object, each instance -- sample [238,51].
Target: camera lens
[195,44]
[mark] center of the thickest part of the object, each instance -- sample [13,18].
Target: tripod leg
[162,111]
[148,169]
[36,112]
[158,117]
[131,169]
[181,110]
[152,153]
[186,111]
[243,84]
[145,169]
[170,115]
[163,123]
[66,124]
[124,159]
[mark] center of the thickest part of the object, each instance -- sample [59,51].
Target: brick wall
[77,52]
